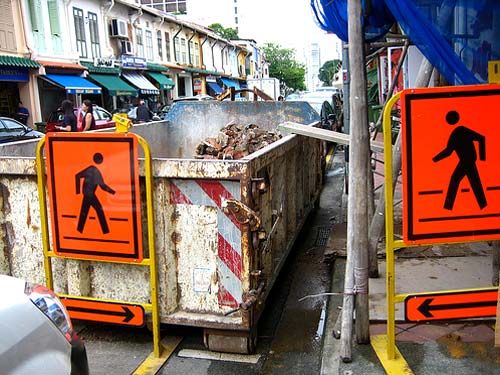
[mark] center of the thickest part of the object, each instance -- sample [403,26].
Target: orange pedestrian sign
[451,154]
[93,184]
[451,305]
[104,311]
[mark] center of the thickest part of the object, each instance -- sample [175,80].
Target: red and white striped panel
[212,193]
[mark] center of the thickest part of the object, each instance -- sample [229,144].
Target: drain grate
[323,235]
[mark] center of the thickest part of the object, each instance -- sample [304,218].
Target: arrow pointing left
[454,304]
[426,308]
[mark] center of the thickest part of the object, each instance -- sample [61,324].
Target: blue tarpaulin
[230,83]
[456,36]
[214,86]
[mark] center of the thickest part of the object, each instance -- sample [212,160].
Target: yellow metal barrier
[147,262]
[385,346]
[123,123]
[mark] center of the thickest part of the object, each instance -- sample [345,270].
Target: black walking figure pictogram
[92,178]
[462,142]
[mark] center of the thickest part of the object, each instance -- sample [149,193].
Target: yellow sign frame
[385,347]
[150,262]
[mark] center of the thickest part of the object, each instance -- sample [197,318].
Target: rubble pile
[235,141]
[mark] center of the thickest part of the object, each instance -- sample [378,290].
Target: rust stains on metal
[175,216]
[4,191]
[28,214]
[176,237]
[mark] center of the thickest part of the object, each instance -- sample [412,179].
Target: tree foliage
[328,70]
[226,33]
[282,65]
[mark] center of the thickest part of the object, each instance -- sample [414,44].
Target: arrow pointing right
[104,311]
[127,313]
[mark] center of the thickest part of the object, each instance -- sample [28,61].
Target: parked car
[12,130]
[200,97]
[37,336]
[327,106]
[103,119]
[331,89]
[163,110]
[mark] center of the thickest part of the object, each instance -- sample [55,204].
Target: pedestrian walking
[69,120]
[88,122]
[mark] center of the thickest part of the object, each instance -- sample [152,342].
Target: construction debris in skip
[235,141]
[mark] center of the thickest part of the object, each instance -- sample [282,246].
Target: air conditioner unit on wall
[126,47]
[118,29]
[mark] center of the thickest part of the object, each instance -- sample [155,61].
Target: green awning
[202,71]
[114,84]
[19,62]
[100,69]
[165,82]
[156,67]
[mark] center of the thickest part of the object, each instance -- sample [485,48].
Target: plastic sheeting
[332,16]
[456,36]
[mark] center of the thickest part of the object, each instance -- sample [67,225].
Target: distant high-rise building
[226,12]
[169,6]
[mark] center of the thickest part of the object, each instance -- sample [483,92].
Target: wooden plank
[324,134]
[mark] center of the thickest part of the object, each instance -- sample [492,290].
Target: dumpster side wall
[209,261]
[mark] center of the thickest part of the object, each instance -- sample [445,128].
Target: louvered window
[81,43]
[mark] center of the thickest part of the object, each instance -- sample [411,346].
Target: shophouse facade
[113,53]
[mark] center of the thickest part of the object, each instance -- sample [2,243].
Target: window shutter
[55,27]
[35,14]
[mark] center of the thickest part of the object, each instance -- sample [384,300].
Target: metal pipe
[222,57]
[189,47]
[202,62]
[173,39]
[213,56]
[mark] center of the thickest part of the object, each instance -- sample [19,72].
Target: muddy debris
[235,141]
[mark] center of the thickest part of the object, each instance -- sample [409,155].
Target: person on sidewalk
[88,116]
[22,113]
[69,120]
[143,112]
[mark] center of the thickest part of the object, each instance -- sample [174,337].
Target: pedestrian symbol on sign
[95,206]
[92,179]
[451,188]
[461,142]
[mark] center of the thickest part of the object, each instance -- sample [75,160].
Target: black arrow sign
[126,313]
[425,308]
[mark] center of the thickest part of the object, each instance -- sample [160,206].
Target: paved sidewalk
[429,348]
[446,347]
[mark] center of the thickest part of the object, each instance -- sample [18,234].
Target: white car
[36,334]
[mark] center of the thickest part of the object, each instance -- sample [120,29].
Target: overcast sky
[289,23]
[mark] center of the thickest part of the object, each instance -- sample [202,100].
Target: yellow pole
[40,171]
[389,228]
[155,311]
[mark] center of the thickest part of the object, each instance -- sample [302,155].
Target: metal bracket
[242,213]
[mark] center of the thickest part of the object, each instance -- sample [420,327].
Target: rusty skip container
[223,228]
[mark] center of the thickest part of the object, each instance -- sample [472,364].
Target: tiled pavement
[468,332]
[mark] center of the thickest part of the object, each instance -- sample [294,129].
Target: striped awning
[140,82]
